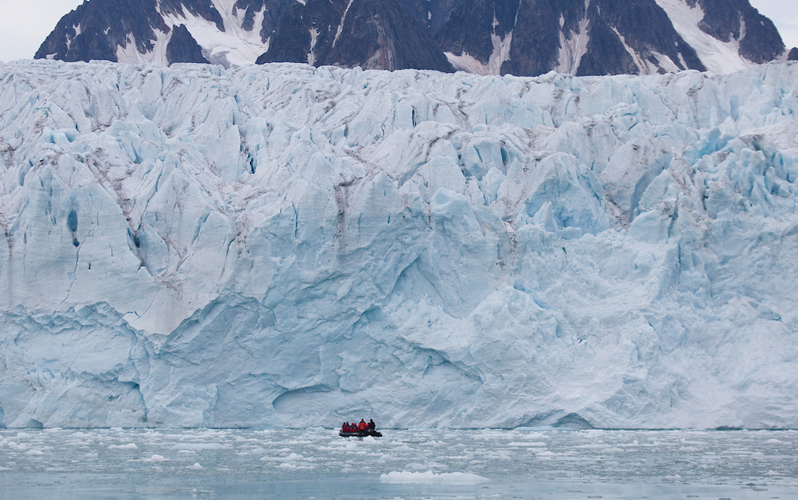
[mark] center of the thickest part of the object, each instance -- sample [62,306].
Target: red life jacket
[362,426]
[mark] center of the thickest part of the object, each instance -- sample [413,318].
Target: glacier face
[284,245]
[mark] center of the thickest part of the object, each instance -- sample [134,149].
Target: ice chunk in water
[453,478]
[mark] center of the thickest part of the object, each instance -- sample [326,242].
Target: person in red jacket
[362,425]
[345,427]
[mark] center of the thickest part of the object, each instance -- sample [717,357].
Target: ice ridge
[284,245]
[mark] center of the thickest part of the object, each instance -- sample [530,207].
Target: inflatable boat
[361,434]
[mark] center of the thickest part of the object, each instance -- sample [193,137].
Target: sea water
[408,464]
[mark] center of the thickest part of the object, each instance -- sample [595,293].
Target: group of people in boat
[361,427]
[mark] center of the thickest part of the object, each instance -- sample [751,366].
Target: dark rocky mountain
[521,37]
[182,48]
[373,34]
[379,34]
[793,56]
[737,20]
[293,37]
[621,36]
[541,30]
[98,28]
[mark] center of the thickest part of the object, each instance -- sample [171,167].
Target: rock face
[737,21]
[96,29]
[578,37]
[379,34]
[793,55]
[520,37]
[372,34]
[304,34]
[141,30]
[182,48]
[267,245]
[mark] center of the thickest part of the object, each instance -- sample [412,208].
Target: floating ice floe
[128,446]
[452,478]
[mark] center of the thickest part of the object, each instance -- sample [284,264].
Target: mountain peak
[520,37]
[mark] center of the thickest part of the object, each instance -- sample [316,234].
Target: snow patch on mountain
[314,35]
[646,66]
[718,56]
[501,53]
[468,63]
[267,245]
[131,55]
[573,45]
[341,24]
[233,46]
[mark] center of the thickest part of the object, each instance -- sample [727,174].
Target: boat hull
[360,434]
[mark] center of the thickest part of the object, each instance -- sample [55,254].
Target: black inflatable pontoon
[360,434]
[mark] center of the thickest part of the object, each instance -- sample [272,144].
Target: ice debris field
[282,245]
[127,464]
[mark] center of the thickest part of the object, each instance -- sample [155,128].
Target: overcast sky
[24,24]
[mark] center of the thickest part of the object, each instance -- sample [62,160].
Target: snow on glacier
[283,245]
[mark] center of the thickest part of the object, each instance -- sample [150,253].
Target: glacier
[282,245]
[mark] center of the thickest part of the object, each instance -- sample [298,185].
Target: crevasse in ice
[284,245]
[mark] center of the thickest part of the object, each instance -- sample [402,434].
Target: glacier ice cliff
[286,245]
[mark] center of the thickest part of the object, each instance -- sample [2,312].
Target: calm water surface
[428,464]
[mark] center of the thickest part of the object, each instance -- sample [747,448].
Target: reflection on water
[317,463]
